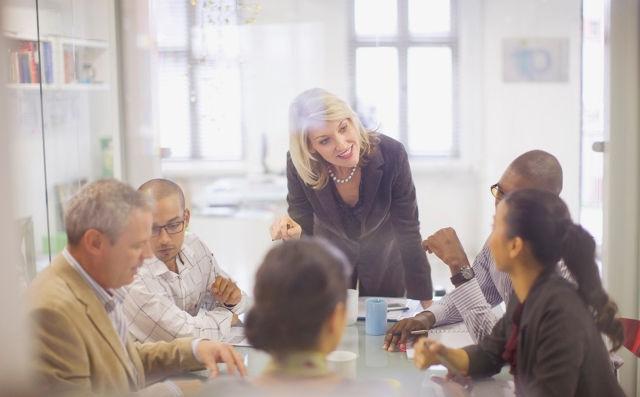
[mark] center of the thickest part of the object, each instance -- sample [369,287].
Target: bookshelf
[60,63]
[63,105]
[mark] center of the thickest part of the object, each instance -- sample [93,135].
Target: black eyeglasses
[170,228]
[497,191]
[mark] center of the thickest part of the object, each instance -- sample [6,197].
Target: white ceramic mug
[352,306]
[343,363]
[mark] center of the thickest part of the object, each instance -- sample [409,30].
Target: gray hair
[103,205]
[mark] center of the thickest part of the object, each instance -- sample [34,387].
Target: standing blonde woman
[354,188]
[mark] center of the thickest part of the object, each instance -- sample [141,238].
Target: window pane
[377,88]
[430,101]
[219,114]
[432,16]
[170,18]
[173,105]
[375,17]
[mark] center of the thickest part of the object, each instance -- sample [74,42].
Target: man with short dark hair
[182,291]
[80,332]
[479,287]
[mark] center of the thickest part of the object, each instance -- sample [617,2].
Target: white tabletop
[375,363]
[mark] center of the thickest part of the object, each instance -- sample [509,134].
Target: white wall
[296,45]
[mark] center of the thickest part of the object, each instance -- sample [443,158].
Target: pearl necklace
[345,180]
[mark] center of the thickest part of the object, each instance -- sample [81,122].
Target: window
[199,84]
[404,54]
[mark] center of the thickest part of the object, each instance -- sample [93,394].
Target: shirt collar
[106,297]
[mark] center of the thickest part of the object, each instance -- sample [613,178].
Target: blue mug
[375,321]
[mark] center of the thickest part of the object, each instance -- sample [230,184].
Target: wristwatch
[465,274]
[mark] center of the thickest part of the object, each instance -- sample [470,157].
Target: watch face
[467,272]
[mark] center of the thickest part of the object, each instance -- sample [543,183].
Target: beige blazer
[77,348]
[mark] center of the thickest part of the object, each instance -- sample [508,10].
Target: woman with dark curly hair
[298,318]
[551,332]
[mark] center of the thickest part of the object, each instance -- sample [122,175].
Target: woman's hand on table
[427,353]
[285,228]
[211,353]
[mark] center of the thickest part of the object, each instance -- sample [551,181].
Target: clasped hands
[226,291]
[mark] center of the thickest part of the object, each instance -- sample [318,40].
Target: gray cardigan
[387,255]
[560,350]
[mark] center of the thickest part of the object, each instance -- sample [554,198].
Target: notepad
[414,307]
[452,335]
[237,338]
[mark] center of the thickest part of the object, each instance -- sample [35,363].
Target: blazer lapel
[95,312]
[370,183]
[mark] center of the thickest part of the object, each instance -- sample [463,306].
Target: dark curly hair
[298,286]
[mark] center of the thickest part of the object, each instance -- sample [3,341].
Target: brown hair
[297,287]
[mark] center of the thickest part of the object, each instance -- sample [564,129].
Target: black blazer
[560,350]
[387,255]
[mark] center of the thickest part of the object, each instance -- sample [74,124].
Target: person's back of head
[297,287]
[542,220]
[541,169]
[104,205]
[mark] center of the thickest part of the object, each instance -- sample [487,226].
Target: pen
[420,332]
[391,309]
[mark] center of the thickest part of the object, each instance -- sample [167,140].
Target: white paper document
[452,335]
[412,306]
[237,338]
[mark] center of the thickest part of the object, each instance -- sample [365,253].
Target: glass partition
[64,111]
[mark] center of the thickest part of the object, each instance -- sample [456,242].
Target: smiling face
[167,216]
[122,258]
[337,142]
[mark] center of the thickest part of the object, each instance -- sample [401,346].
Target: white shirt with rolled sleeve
[472,301]
[161,305]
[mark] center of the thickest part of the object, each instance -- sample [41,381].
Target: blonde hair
[310,110]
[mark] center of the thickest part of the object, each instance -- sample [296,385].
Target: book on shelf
[25,65]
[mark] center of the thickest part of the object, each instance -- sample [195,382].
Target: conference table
[375,363]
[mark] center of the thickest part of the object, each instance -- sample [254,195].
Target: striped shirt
[162,305]
[472,301]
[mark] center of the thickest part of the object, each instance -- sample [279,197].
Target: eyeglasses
[497,191]
[170,228]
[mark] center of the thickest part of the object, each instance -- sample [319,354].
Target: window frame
[402,41]
[195,157]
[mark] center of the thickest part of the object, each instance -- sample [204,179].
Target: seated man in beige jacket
[81,344]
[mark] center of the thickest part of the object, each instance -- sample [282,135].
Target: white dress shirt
[162,305]
[472,301]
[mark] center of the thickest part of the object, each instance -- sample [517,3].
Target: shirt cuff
[173,388]
[467,295]
[438,310]
[194,348]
